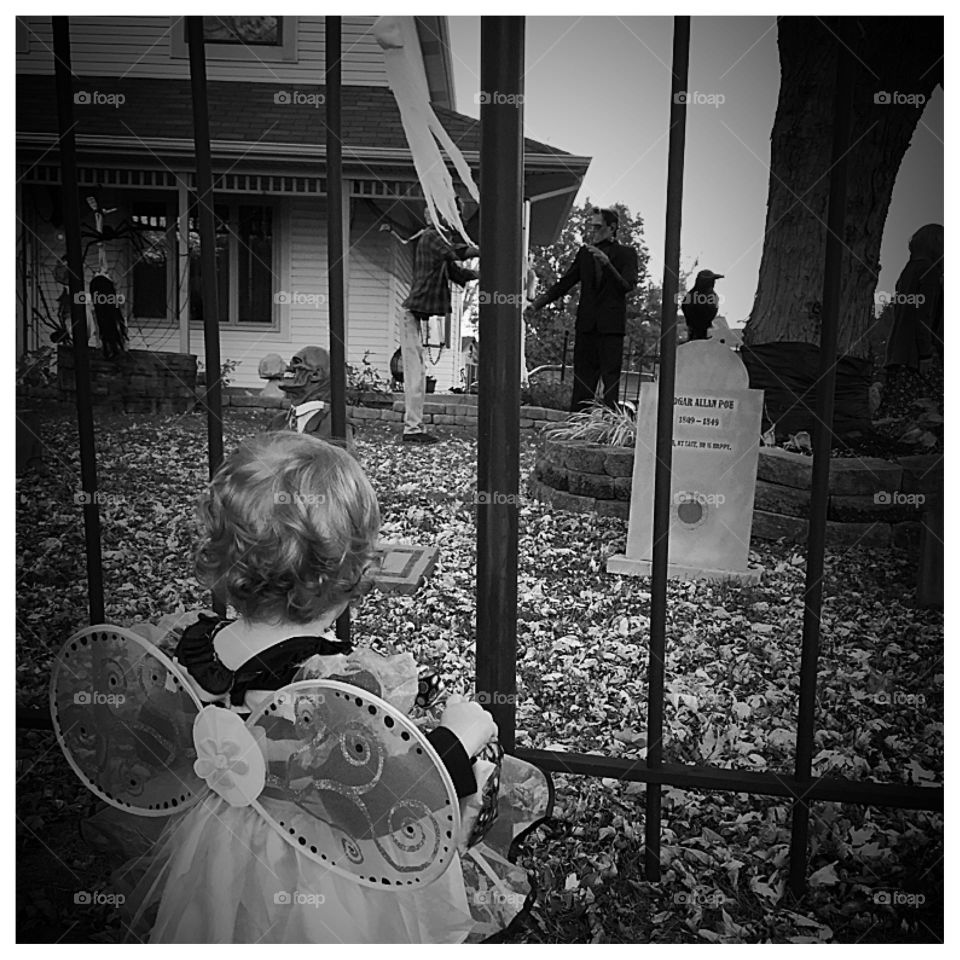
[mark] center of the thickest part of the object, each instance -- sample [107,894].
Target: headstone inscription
[716,442]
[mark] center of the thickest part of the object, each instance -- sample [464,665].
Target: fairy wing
[353,784]
[123,715]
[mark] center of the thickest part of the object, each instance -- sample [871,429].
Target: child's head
[289,525]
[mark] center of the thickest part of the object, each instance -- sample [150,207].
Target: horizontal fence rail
[707,777]
[689,776]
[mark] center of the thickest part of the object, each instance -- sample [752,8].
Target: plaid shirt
[430,289]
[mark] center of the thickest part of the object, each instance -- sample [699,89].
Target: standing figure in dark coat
[606,271]
[915,347]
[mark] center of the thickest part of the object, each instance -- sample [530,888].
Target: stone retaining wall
[137,381]
[872,502]
[441,410]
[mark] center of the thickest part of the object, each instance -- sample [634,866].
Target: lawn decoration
[425,134]
[307,384]
[103,294]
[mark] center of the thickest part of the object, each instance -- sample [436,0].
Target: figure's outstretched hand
[473,726]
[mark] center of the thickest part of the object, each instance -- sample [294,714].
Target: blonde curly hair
[289,526]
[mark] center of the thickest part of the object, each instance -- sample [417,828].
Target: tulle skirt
[221,874]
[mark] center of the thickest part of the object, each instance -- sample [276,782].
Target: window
[253,31]
[151,274]
[245,263]
[251,39]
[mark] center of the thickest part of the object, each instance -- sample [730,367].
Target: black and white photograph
[479,477]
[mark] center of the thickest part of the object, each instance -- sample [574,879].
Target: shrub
[363,380]
[550,394]
[599,424]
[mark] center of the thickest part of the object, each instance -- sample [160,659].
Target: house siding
[301,270]
[141,47]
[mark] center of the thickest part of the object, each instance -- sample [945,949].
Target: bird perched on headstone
[700,305]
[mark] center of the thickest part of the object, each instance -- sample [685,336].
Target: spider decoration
[110,233]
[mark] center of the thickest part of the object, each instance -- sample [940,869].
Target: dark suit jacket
[603,305]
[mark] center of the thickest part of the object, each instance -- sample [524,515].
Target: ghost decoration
[425,134]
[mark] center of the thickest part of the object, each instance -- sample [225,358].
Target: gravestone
[404,566]
[716,442]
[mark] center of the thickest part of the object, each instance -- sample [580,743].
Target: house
[134,130]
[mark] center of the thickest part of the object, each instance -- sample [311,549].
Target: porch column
[183,263]
[346,209]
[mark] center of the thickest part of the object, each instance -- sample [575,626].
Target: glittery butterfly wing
[353,784]
[123,714]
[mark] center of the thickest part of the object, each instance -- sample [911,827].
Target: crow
[700,305]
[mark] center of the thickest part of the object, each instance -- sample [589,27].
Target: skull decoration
[306,384]
[308,376]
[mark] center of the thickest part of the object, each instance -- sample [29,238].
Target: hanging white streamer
[425,134]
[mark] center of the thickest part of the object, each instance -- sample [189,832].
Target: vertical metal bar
[208,243]
[498,414]
[183,264]
[335,245]
[563,358]
[335,250]
[78,316]
[822,441]
[213,395]
[662,475]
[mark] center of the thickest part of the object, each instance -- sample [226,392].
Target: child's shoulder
[167,632]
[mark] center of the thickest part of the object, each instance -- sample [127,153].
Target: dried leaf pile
[732,674]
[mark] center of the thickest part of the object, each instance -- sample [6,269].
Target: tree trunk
[895,56]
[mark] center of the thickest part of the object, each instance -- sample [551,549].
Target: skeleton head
[308,375]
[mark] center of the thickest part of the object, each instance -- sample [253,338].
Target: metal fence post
[498,406]
[78,315]
[664,446]
[822,442]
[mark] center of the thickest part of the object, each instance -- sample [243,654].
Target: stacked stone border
[873,502]
[165,383]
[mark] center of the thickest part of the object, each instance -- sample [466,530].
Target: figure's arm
[563,286]
[391,227]
[628,277]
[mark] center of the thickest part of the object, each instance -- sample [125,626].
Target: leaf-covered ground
[732,681]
